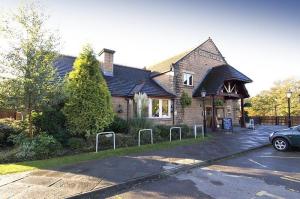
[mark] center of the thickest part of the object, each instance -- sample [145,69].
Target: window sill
[160,118]
[188,86]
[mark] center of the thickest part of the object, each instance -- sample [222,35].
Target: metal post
[105,133]
[171,132]
[276,122]
[143,130]
[114,141]
[213,114]
[289,113]
[204,116]
[195,130]
[242,114]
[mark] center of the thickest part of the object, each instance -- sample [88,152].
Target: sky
[260,38]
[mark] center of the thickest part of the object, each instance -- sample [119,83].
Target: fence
[279,120]
[7,114]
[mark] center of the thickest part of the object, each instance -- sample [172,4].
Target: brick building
[200,69]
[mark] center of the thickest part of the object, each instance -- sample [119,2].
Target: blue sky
[258,37]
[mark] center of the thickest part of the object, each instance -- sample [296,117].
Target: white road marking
[264,193]
[290,179]
[257,163]
[272,156]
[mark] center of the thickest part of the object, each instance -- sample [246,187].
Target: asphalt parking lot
[261,174]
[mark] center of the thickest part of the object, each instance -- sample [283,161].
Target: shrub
[10,127]
[162,132]
[119,125]
[125,140]
[186,131]
[185,100]
[8,155]
[136,124]
[53,122]
[76,143]
[41,146]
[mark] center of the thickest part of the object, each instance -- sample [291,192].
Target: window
[187,79]
[155,108]
[145,110]
[165,108]
[159,108]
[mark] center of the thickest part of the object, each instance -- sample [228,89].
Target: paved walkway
[87,176]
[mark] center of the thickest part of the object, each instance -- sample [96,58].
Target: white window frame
[160,108]
[186,74]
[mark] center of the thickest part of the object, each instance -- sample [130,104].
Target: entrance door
[208,116]
[220,115]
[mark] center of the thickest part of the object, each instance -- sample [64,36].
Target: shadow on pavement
[96,174]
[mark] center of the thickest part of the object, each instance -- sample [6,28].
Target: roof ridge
[209,39]
[152,80]
[63,55]
[125,66]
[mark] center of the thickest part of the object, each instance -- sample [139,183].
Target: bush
[41,146]
[125,140]
[119,125]
[162,132]
[76,143]
[53,122]
[136,124]
[185,100]
[10,127]
[8,155]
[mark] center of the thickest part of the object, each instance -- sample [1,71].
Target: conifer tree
[88,108]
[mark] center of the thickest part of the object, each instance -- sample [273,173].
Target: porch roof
[216,77]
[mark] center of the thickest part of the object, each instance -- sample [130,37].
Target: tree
[264,103]
[88,108]
[31,50]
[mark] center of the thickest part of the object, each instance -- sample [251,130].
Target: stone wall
[166,81]
[198,62]
[120,103]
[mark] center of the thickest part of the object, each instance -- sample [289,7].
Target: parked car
[282,140]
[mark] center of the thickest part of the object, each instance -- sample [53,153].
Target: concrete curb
[113,189]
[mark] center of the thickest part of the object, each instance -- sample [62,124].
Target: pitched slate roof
[125,82]
[215,78]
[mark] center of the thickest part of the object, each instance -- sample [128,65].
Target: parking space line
[257,163]
[265,193]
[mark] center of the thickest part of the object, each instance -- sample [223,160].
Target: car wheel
[280,144]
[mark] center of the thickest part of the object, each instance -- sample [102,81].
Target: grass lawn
[65,160]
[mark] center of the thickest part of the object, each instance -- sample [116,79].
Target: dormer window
[188,79]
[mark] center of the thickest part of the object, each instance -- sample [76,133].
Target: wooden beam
[213,124]
[242,114]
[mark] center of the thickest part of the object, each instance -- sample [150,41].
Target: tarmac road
[261,174]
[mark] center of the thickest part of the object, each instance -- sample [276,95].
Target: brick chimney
[107,61]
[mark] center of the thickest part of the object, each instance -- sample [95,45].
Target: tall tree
[88,108]
[30,52]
